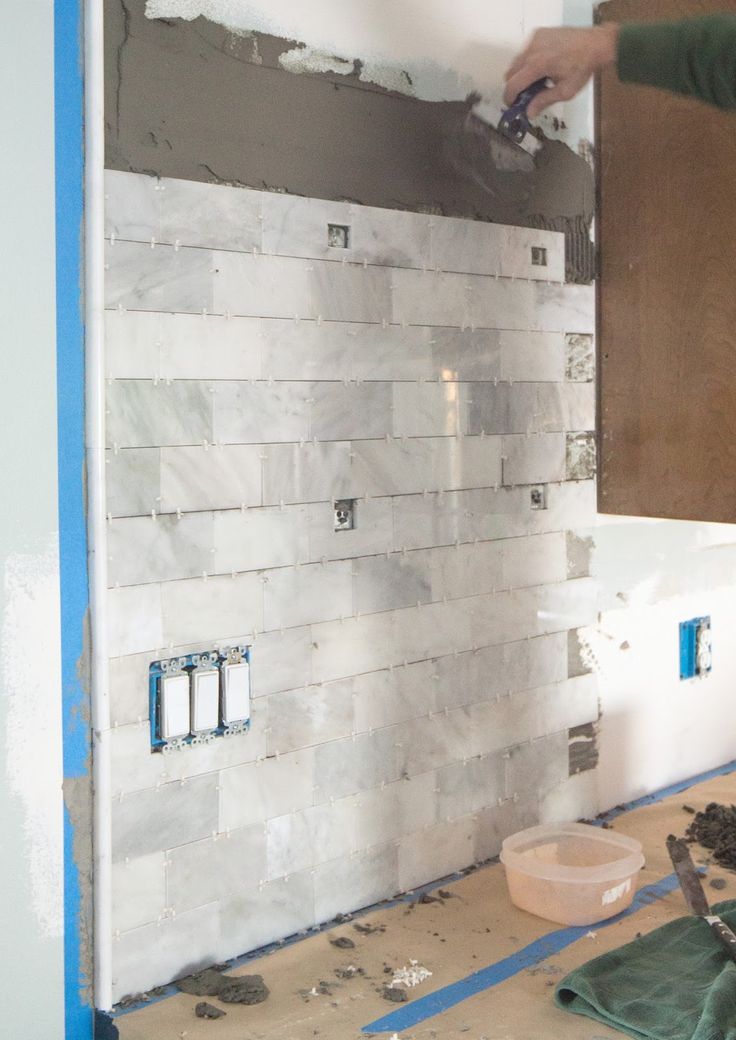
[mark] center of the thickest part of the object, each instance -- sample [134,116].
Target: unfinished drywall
[412,702]
[31,809]
[191,99]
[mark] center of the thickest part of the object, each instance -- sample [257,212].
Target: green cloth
[677,983]
[696,57]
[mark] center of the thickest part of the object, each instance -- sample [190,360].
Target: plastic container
[571,873]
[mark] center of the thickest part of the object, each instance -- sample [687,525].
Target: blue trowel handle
[515,122]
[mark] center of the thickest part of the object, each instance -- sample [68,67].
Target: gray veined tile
[488,408]
[257,412]
[133,344]
[210,346]
[164,817]
[138,891]
[143,549]
[262,286]
[339,412]
[436,852]
[211,215]
[219,609]
[532,356]
[132,206]
[428,409]
[310,716]
[467,246]
[315,835]
[260,538]
[383,583]
[303,595]
[143,414]
[308,472]
[355,881]
[534,459]
[282,660]
[253,918]
[307,350]
[466,354]
[260,791]
[216,867]
[134,622]
[133,481]
[356,764]
[139,277]
[428,298]
[214,477]
[349,292]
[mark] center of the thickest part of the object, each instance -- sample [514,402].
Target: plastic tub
[571,873]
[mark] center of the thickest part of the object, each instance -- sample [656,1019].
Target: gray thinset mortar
[192,100]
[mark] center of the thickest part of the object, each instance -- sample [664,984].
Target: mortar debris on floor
[715,829]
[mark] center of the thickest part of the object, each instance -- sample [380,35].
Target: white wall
[31,908]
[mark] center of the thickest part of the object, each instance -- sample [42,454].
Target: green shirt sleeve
[695,57]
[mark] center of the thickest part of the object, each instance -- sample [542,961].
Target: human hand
[567,57]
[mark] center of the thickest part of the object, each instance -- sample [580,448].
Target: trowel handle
[724,933]
[515,122]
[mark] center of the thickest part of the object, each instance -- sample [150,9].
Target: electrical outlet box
[696,657]
[198,697]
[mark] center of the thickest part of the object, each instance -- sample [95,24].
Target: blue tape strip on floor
[442,999]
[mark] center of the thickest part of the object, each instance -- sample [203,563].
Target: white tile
[133,481]
[309,716]
[534,459]
[132,206]
[157,953]
[387,813]
[496,824]
[467,246]
[225,476]
[258,792]
[133,344]
[532,356]
[315,835]
[129,699]
[571,504]
[134,620]
[257,412]
[138,891]
[428,410]
[428,298]
[349,292]
[258,538]
[536,560]
[468,570]
[220,608]
[210,870]
[576,797]
[344,648]
[356,881]
[215,215]
[344,767]
[198,346]
[142,414]
[307,472]
[274,911]
[357,411]
[282,660]
[302,595]
[139,277]
[385,583]
[384,698]
[537,766]
[262,286]
[435,852]
[164,817]
[142,549]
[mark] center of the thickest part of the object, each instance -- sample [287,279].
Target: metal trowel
[478,145]
[695,897]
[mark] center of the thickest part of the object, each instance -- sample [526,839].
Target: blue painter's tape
[549,945]
[69,163]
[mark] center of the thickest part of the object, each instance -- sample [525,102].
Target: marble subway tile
[535,459]
[254,793]
[141,278]
[496,824]
[257,412]
[210,346]
[467,246]
[353,882]
[388,813]
[308,472]
[273,911]
[144,414]
[344,648]
[224,476]
[282,660]
[308,350]
[429,298]
[258,538]
[261,286]
[164,817]
[422,521]
[173,947]
[387,697]
[435,852]
[532,357]
[216,867]
[128,679]
[301,840]
[310,716]
[142,549]
[551,407]
[472,569]
[567,308]
[535,560]
[133,481]
[218,608]
[521,257]
[138,892]
[134,619]
[488,408]
[133,344]
[346,292]
[304,595]
[469,785]
[385,583]
[345,767]
[132,206]
[428,410]
[571,504]
[218,216]
[537,766]
[357,411]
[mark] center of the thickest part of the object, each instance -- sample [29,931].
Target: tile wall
[412,693]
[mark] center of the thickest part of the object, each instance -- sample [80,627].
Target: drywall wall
[412,695]
[237,107]
[31,809]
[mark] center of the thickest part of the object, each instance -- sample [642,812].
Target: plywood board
[667,302]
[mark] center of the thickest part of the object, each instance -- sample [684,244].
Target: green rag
[678,983]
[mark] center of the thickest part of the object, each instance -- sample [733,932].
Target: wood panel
[667,293]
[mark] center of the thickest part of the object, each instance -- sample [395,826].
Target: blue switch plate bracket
[689,668]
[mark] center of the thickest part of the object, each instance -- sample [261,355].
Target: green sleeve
[696,57]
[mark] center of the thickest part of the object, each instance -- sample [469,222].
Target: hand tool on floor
[479,150]
[694,895]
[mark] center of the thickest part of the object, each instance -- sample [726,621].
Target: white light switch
[174,707]
[205,700]
[236,693]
